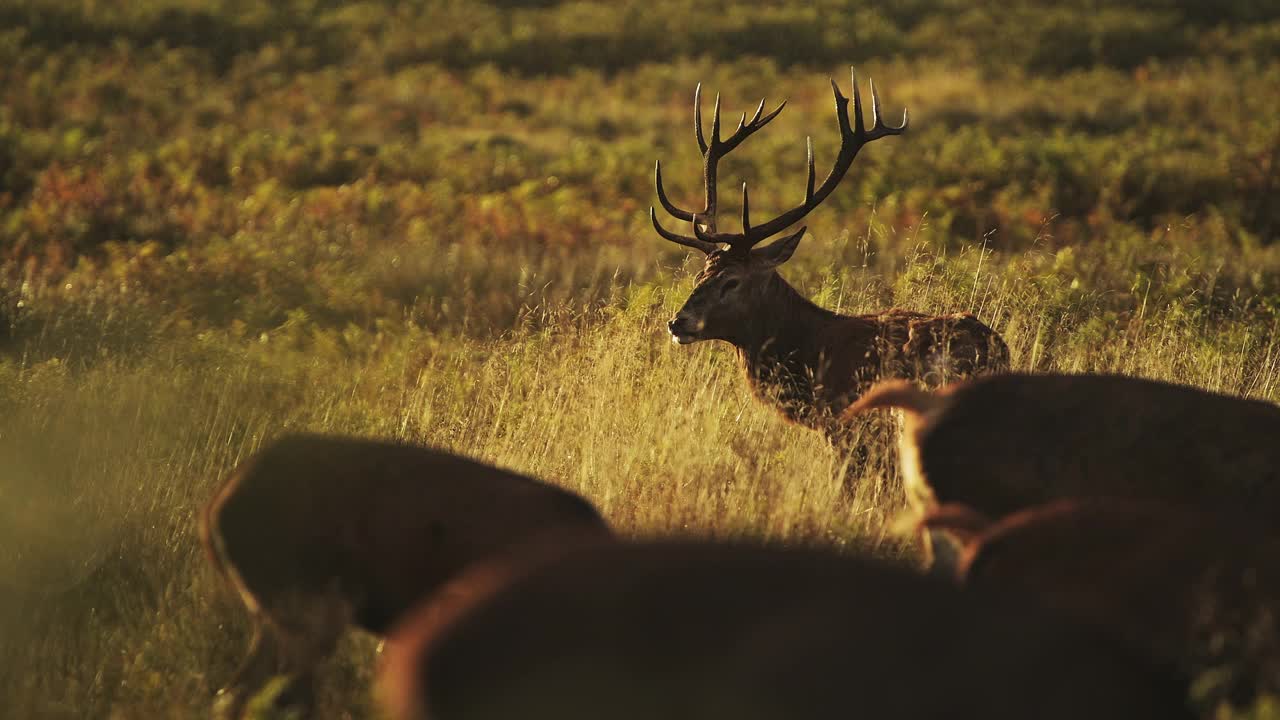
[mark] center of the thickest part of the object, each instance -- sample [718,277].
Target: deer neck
[782,344]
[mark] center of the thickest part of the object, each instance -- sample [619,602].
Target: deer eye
[731,284]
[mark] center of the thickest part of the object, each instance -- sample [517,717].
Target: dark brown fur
[317,532]
[696,630]
[1002,443]
[812,363]
[1184,588]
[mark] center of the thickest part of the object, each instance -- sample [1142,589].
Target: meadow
[224,220]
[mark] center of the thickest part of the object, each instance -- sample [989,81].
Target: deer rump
[695,630]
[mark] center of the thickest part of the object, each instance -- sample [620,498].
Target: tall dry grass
[112,612]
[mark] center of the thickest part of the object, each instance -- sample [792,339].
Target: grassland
[222,220]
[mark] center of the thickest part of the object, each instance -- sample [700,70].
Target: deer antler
[705,236]
[711,154]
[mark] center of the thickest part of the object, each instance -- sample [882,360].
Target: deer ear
[778,251]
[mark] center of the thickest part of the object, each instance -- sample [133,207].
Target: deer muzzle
[685,329]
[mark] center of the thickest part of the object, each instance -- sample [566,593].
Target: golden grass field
[225,221]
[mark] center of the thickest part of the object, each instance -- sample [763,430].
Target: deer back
[384,523]
[696,630]
[1001,443]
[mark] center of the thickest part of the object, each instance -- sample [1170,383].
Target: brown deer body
[1006,442]
[699,630]
[316,533]
[812,363]
[1189,590]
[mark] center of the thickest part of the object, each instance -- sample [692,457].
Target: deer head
[738,279]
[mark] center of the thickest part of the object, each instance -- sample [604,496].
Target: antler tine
[808,146]
[859,127]
[875,105]
[667,205]
[715,123]
[878,128]
[697,118]
[842,107]
[745,131]
[696,243]
[746,212]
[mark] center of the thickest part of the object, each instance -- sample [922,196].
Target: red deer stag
[810,362]
[1189,590]
[698,630]
[318,532]
[1003,443]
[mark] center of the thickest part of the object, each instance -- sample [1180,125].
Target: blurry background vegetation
[224,220]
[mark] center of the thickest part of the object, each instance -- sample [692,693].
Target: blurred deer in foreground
[1188,589]
[810,362]
[686,630]
[1003,443]
[317,532]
